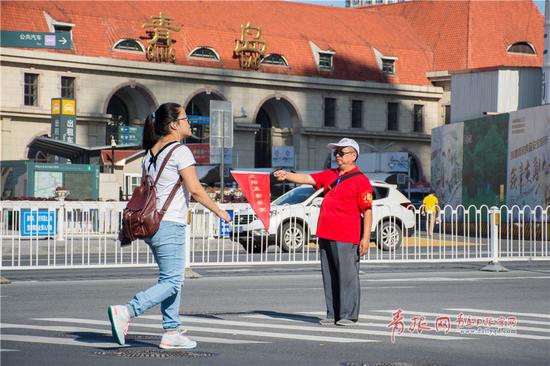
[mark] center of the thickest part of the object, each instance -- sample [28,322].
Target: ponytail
[150,137]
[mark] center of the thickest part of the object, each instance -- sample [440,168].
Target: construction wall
[528,175]
[495,160]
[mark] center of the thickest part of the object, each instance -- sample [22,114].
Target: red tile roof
[473,34]
[119,155]
[424,35]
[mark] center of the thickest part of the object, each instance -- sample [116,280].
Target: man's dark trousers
[340,268]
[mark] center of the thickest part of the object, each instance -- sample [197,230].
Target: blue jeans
[167,246]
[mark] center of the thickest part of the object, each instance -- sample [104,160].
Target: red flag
[257,191]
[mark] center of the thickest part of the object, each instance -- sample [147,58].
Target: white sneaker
[120,320]
[176,340]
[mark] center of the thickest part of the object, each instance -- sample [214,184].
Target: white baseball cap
[343,143]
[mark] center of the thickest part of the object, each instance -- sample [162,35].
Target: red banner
[257,191]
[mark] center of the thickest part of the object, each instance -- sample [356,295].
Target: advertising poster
[447,163]
[528,175]
[282,156]
[485,156]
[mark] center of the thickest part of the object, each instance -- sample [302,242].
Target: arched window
[129,45]
[275,59]
[205,52]
[522,47]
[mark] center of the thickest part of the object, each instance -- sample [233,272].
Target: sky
[540,3]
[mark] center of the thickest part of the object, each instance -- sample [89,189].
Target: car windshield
[297,195]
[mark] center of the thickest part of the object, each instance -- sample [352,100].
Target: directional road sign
[23,39]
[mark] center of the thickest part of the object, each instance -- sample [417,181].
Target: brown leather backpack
[141,219]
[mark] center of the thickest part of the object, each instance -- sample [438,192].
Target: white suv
[293,219]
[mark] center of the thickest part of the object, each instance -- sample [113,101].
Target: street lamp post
[113,145]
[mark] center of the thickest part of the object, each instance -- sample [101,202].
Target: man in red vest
[343,229]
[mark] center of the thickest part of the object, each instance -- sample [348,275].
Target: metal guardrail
[39,234]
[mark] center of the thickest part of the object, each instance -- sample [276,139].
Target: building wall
[529,91]
[472,94]
[302,98]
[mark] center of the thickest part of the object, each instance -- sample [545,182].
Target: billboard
[528,174]
[447,163]
[485,155]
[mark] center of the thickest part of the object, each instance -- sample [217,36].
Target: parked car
[293,219]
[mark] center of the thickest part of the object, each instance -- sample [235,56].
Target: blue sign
[130,135]
[38,222]
[198,120]
[225,227]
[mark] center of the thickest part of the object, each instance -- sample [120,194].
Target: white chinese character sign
[256,189]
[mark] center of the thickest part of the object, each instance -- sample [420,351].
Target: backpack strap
[170,197]
[165,161]
[341,179]
[176,186]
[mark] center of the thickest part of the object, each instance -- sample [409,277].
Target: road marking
[103,332]
[317,328]
[532,329]
[57,341]
[522,321]
[410,242]
[223,331]
[525,336]
[424,335]
[535,315]
[318,288]
[454,279]
[8,350]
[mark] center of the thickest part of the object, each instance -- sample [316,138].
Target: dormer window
[522,47]
[205,52]
[56,26]
[62,28]
[325,60]
[129,45]
[388,66]
[275,59]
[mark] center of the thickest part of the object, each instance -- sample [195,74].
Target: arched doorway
[277,119]
[129,106]
[199,106]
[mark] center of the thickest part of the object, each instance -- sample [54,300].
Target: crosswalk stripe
[226,331]
[108,333]
[456,279]
[520,321]
[483,311]
[57,341]
[424,335]
[319,329]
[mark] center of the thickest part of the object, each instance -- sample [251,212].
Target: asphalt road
[266,315]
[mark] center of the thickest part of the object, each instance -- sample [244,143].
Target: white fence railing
[46,234]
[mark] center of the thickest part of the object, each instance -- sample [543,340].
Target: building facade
[315,82]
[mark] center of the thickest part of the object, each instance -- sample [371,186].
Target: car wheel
[292,236]
[389,236]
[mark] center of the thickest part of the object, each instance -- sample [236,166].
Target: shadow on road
[131,340]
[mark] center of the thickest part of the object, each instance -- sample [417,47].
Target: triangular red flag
[257,191]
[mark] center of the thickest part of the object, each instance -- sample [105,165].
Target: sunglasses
[341,153]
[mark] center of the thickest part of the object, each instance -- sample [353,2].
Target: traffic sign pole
[222,157]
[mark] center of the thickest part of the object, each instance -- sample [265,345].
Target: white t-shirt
[181,158]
